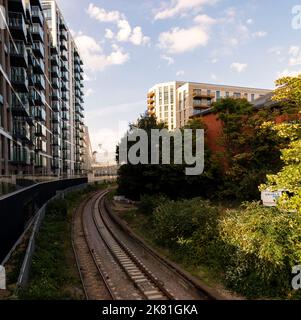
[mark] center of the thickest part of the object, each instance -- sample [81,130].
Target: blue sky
[128,46]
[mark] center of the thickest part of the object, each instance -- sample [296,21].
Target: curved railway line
[115,266]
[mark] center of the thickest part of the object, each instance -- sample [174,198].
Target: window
[237,95]
[208,92]
[171,95]
[218,95]
[165,95]
[252,97]
[227,94]
[246,96]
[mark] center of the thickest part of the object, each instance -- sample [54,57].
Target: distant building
[176,102]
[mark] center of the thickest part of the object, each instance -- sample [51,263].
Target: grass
[53,274]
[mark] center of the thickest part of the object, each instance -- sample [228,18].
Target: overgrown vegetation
[53,275]
[251,249]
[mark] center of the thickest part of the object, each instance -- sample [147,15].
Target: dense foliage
[250,249]
[251,151]
[171,180]
[288,179]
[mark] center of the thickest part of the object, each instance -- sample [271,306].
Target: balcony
[54,60]
[38,49]
[18,54]
[55,83]
[16,6]
[56,128]
[40,114]
[56,152]
[64,45]
[66,146]
[17,25]
[40,146]
[65,126]
[55,72]
[64,56]
[39,82]
[40,99]
[37,15]
[21,131]
[65,116]
[64,35]
[55,95]
[202,104]
[65,96]
[56,141]
[66,135]
[150,95]
[38,66]
[37,32]
[41,131]
[20,156]
[199,93]
[56,107]
[20,105]
[65,106]
[54,50]
[63,26]
[65,76]
[64,66]
[56,117]
[19,79]
[64,87]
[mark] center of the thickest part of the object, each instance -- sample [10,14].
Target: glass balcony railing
[37,14]
[18,54]
[17,25]
[38,49]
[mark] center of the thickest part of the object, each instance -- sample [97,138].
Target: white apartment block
[176,102]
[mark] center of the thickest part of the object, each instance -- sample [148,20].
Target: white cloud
[259,34]
[179,40]
[176,7]
[295,56]
[249,21]
[102,15]
[94,57]
[89,92]
[288,73]
[239,67]
[137,37]
[214,61]
[109,34]
[169,60]
[180,73]
[125,33]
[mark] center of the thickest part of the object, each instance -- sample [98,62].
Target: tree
[250,150]
[170,180]
[289,177]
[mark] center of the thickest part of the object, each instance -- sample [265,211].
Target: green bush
[185,225]
[264,245]
[148,203]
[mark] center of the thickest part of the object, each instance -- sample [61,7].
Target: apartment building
[176,102]
[41,96]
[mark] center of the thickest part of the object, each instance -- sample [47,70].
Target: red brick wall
[213,132]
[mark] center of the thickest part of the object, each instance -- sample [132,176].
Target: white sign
[269,198]
[2,278]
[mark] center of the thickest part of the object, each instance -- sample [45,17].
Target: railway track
[93,280]
[111,268]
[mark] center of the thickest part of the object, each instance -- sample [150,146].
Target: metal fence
[25,269]
[17,209]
